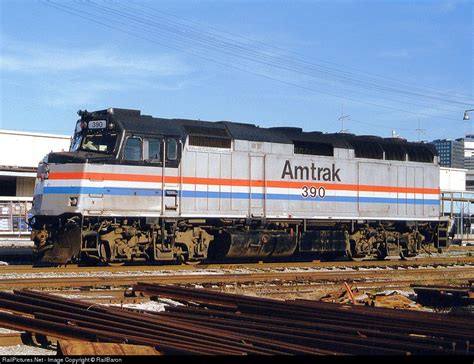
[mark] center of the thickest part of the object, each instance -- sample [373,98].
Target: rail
[215,323]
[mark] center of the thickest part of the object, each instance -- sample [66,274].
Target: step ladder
[443,229]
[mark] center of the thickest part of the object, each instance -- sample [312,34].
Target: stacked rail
[47,315]
[215,323]
[334,328]
[446,296]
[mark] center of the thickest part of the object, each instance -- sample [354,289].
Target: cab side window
[171,149]
[173,153]
[152,151]
[133,149]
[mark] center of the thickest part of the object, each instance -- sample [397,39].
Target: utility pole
[342,118]
[419,130]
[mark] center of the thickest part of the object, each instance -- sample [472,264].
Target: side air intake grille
[313,148]
[211,142]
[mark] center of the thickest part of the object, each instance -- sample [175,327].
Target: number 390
[313,191]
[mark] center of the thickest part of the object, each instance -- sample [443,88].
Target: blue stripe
[114,191]
[119,191]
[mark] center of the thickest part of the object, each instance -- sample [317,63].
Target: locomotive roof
[133,121]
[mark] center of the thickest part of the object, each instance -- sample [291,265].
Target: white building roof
[19,149]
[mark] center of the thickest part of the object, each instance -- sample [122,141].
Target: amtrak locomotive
[137,188]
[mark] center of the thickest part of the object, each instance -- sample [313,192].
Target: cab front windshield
[94,142]
[104,143]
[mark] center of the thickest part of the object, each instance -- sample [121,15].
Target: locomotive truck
[137,188]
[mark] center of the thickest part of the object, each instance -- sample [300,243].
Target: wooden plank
[77,347]
[10,339]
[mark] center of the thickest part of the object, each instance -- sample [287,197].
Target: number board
[97,124]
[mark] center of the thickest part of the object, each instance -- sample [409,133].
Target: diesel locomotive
[134,188]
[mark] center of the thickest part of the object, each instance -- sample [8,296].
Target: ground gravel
[18,350]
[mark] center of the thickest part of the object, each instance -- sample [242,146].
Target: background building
[451,152]
[452,179]
[20,153]
[468,151]
[469,161]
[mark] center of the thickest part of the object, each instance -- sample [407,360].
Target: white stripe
[378,194]
[88,183]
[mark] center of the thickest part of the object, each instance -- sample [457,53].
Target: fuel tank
[252,244]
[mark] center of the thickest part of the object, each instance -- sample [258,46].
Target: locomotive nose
[43,171]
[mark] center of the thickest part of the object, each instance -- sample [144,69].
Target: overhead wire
[214,46]
[333,66]
[188,34]
[114,10]
[358,121]
[277,57]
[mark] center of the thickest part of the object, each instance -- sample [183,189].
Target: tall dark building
[451,152]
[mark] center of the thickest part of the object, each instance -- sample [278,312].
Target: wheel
[192,262]
[357,259]
[182,256]
[353,254]
[354,258]
[106,256]
[115,264]
[408,252]
[88,260]
[382,252]
[183,259]
[405,256]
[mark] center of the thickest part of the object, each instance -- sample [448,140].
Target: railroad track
[382,277]
[435,261]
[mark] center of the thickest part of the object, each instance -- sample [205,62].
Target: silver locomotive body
[161,189]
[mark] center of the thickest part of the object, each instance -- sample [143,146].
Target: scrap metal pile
[218,323]
[447,296]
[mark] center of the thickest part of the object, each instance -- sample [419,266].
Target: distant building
[451,152]
[468,151]
[469,160]
[452,180]
[20,153]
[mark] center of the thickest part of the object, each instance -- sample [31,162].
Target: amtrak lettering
[311,173]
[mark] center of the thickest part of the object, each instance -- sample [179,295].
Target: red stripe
[93,176]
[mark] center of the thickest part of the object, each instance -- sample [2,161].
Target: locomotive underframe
[118,240]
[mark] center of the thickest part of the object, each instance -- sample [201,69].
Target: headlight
[43,171]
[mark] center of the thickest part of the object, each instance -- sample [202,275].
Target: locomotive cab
[96,139]
[73,189]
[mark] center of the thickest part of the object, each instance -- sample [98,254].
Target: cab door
[152,157]
[141,190]
[257,186]
[171,177]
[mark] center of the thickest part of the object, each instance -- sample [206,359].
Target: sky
[403,67]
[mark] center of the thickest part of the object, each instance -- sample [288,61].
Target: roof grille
[206,131]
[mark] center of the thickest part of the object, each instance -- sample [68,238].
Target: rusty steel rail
[214,323]
[54,316]
[365,330]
